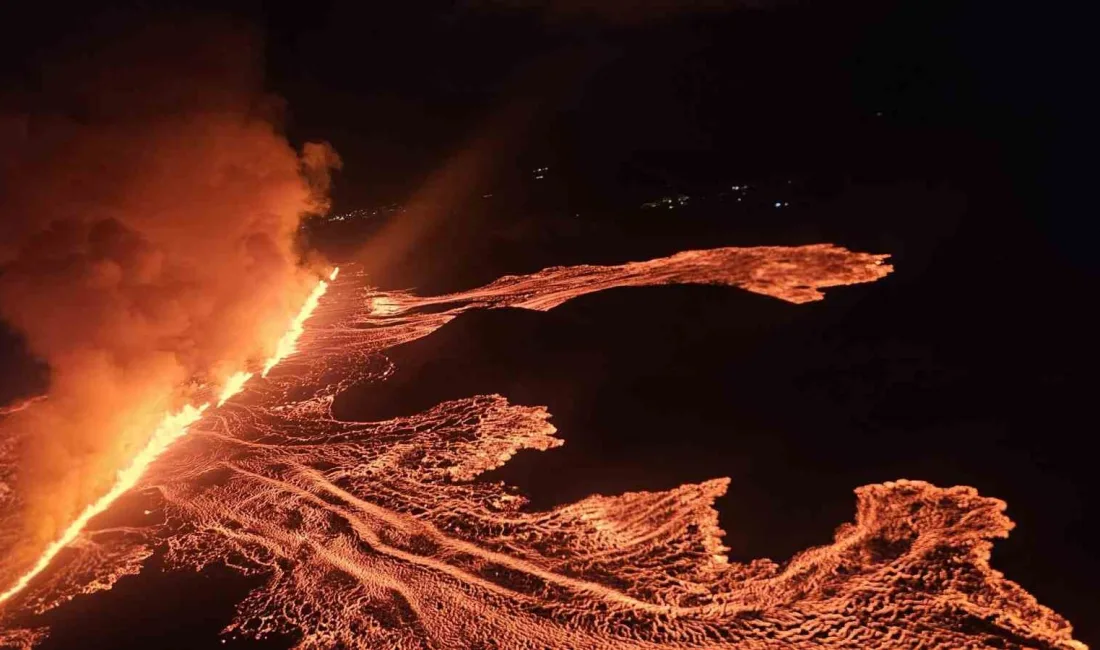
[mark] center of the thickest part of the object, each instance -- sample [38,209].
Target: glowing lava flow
[288,344]
[234,385]
[378,534]
[21,405]
[172,428]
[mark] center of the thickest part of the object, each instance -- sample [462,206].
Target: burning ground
[150,209]
[375,534]
[148,251]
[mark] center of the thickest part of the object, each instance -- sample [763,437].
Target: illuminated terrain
[375,534]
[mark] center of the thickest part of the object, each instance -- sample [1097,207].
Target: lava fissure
[375,534]
[173,427]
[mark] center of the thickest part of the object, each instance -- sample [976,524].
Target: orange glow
[289,343]
[171,429]
[375,534]
[21,405]
[388,508]
[234,385]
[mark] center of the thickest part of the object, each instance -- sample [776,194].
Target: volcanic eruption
[150,215]
[195,359]
[375,534]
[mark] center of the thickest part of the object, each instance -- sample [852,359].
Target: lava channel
[375,534]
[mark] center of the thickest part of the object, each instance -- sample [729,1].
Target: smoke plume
[149,212]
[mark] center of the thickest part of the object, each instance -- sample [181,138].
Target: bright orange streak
[21,405]
[234,385]
[171,429]
[289,343]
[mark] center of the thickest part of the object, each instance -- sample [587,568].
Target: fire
[379,533]
[234,385]
[173,427]
[289,343]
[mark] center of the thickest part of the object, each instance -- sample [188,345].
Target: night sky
[956,136]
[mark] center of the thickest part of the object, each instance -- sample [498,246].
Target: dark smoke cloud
[147,226]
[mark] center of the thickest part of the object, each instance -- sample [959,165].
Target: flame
[471,565]
[234,385]
[289,343]
[173,427]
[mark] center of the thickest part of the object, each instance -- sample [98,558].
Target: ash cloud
[148,211]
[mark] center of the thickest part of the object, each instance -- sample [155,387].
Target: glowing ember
[374,535]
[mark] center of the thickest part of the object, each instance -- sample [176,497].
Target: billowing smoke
[149,211]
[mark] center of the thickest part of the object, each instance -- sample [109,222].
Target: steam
[150,206]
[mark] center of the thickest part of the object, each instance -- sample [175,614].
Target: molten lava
[173,427]
[289,342]
[21,405]
[234,385]
[375,534]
